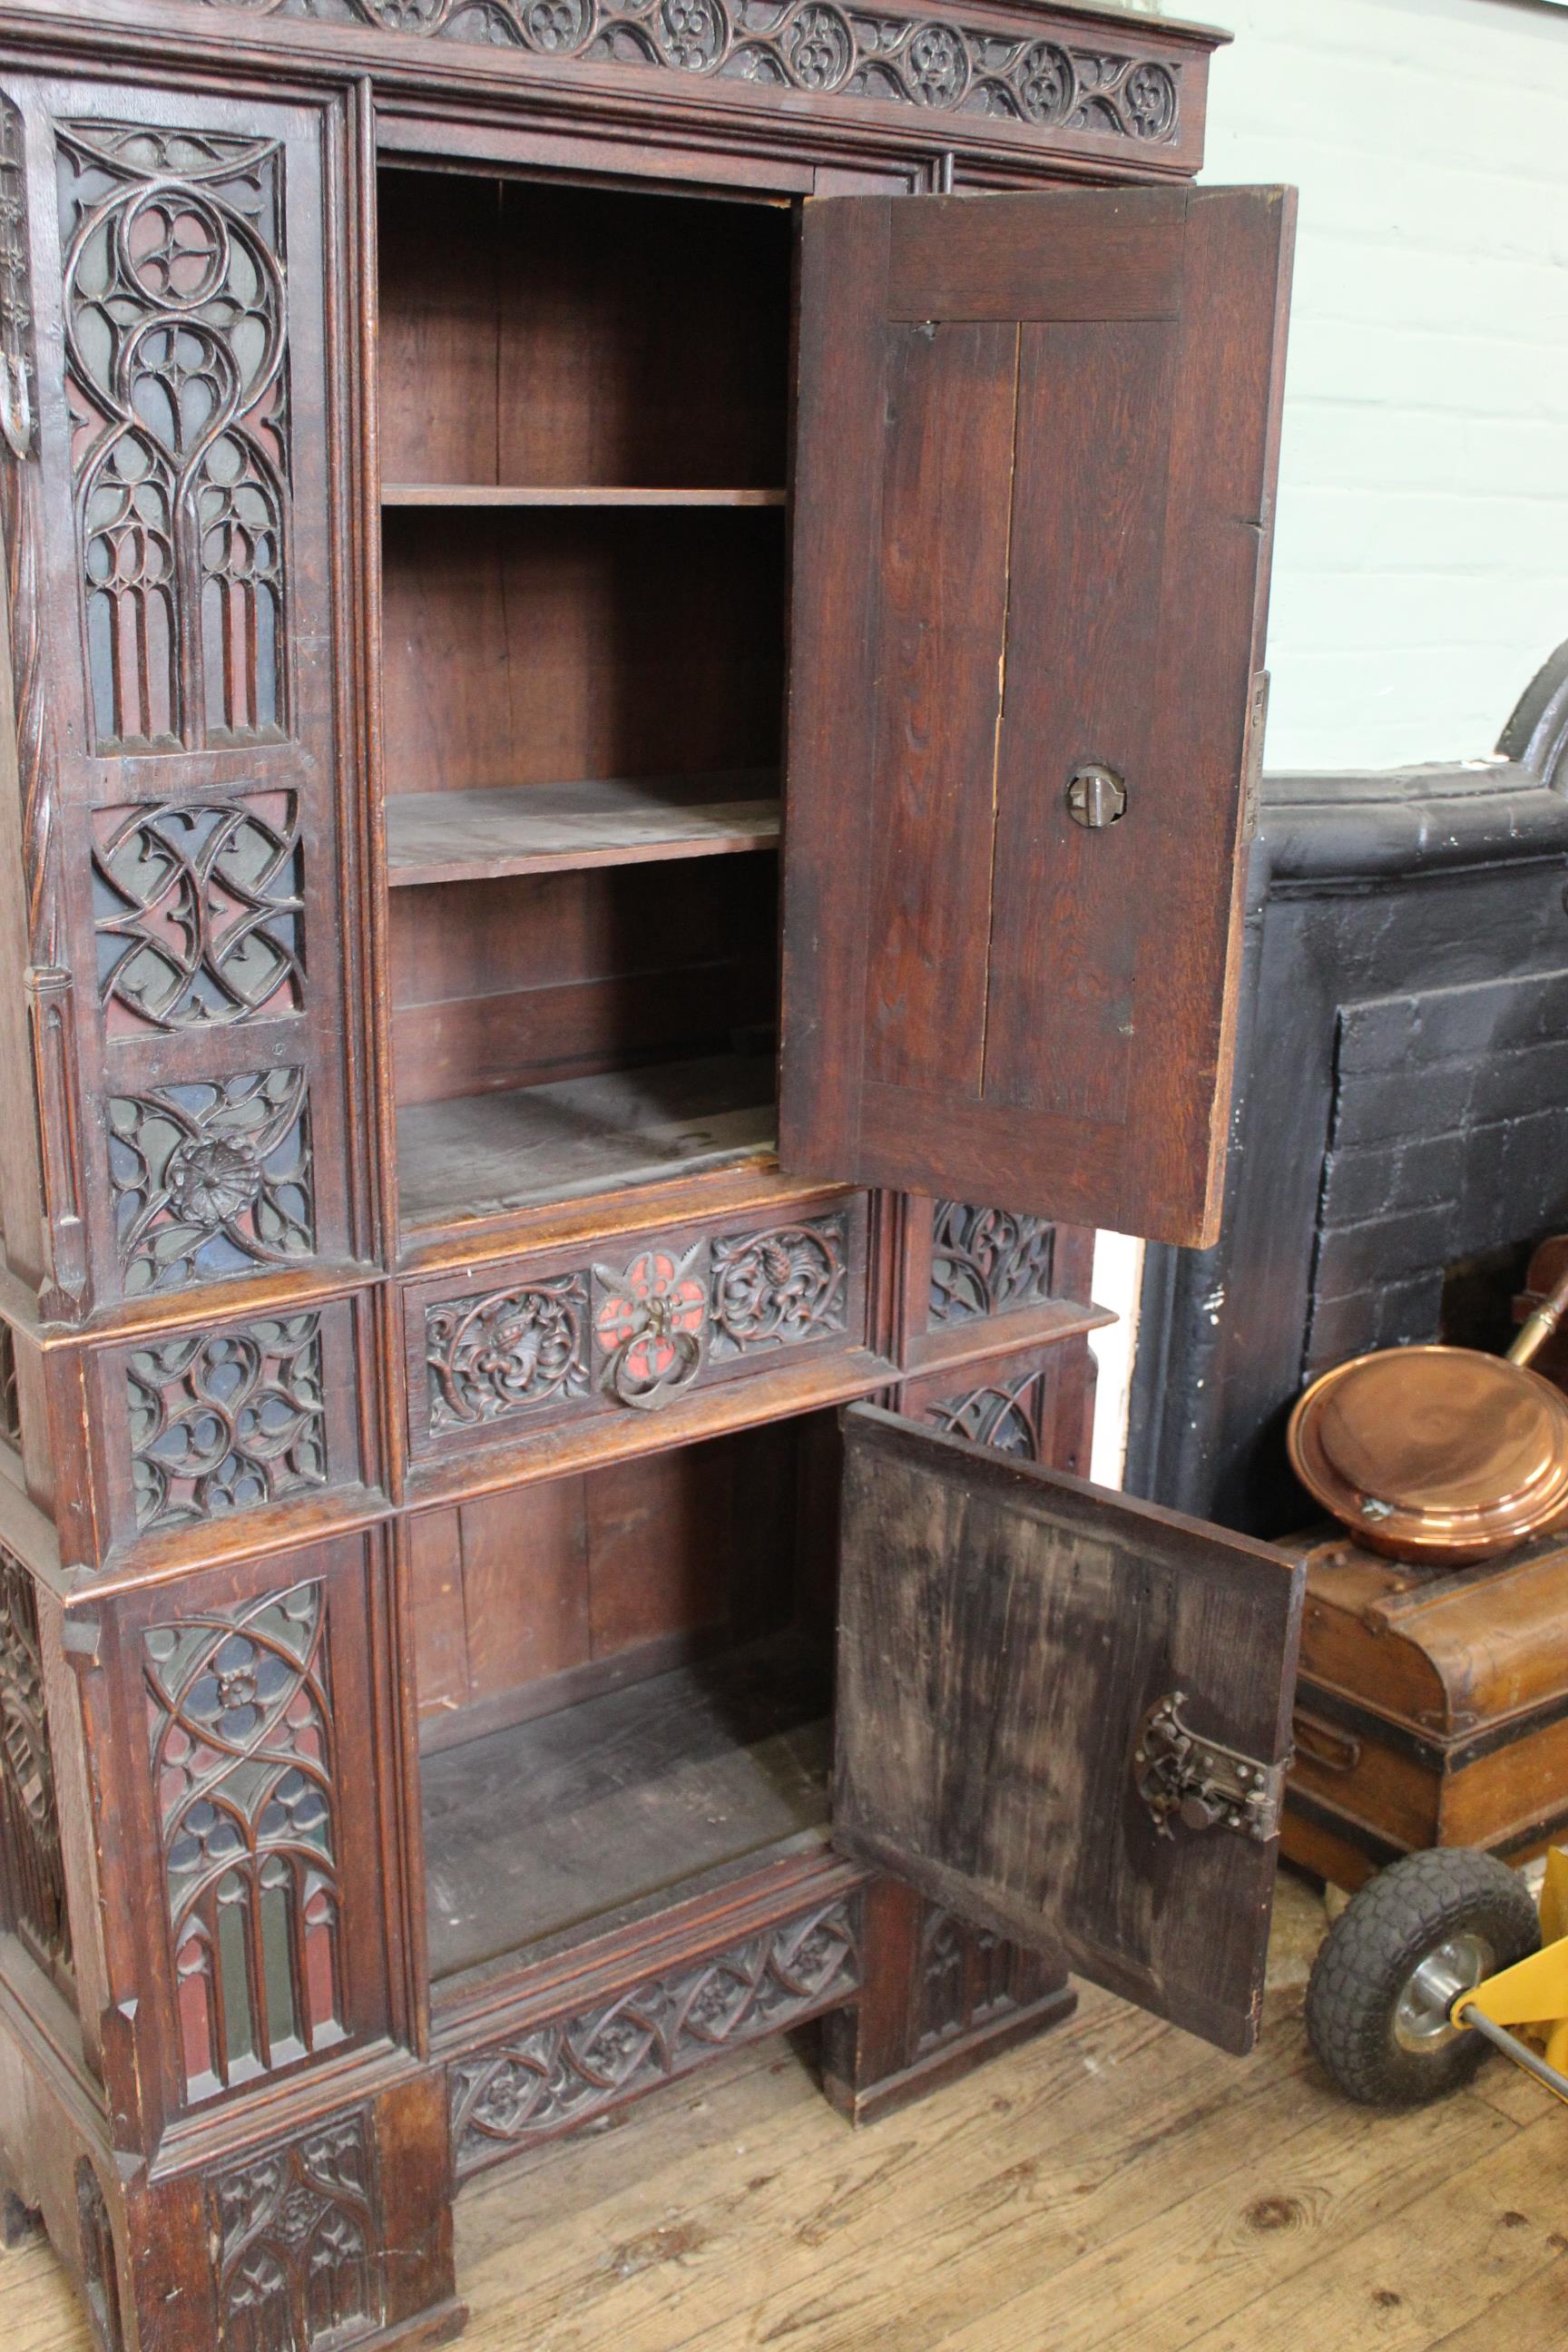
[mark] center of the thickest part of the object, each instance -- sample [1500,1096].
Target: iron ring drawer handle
[691,1352]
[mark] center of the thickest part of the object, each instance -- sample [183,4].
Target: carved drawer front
[1038,1404]
[630,1325]
[236,1715]
[215,1420]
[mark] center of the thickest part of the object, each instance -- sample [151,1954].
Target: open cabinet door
[1065,1715]
[1033,496]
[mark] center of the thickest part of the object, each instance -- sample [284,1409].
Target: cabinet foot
[18,2221]
[938,2000]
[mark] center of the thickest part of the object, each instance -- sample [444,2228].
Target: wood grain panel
[1083,616]
[1003,1630]
[546,646]
[525,1585]
[1038,257]
[951,393]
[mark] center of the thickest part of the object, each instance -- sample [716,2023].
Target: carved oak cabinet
[631,677]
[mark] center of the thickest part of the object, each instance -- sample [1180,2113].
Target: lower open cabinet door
[1065,1715]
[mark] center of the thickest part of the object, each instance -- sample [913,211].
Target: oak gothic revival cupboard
[631,679]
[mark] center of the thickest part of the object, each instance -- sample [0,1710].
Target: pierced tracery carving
[1005,1415]
[31,1871]
[226,1420]
[198,912]
[239,1722]
[984,1261]
[558,2074]
[780,1288]
[932,62]
[175,332]
[509,1352]
[211,1178]
[297,2230]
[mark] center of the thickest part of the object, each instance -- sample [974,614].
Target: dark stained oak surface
[1032,510]
[1003,1631]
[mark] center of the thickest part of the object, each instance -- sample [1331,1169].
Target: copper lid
[1435,1453]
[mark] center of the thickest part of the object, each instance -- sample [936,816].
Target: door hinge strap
[1201,1782]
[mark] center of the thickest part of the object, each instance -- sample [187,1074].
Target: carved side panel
[985,1261]
[298,2231]
[198,912]
[240,1727]
[212,1179]
[964,1980]
[30,1865]
[10,1394]
[224,1421]
[174,346]
[99,2268]
[559,2074]
[1005,1415]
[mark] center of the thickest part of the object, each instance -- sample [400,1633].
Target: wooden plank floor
[1114,2184]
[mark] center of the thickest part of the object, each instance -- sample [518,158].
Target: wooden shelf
[560,1820]
[470,837]
[575,493]
[480,1155]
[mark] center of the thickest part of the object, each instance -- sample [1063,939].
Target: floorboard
[1112,2184]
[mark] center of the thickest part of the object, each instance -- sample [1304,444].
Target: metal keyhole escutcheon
[1096,796]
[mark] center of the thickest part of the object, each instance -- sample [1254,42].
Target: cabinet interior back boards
[630,697]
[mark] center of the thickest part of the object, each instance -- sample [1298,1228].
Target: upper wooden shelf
[576,494]
[477,836]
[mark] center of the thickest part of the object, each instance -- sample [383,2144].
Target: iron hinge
[1199,1782]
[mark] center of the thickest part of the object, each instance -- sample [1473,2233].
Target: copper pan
[1439,1456]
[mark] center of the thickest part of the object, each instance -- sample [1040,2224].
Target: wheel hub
[1421,2022]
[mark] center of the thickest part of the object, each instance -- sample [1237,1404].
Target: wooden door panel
[1034,482]
[1005,1631]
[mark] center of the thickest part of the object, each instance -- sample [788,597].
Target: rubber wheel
[1398,1954]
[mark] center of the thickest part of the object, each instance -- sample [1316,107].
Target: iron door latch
[1201,1782]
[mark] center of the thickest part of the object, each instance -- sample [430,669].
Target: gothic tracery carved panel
[226,1420]
[1005,1415]
[240,1729]
[932,62]
[558,2074]
[175,341]
[34,1874]
[985,1261]
[297,2230]
[211,1178]
[198,912]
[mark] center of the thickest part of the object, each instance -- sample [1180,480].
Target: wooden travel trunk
[1432,1707]
[633,708]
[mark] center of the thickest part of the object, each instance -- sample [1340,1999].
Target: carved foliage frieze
[175,374]
[34,1875]
[1004,1414]
[507,1351]
[987,1261]
[241,1738]
[226,1420]
[197,912]
[933,62]
[637,1332]
[297,2233]
[211,1178]
[560,2072]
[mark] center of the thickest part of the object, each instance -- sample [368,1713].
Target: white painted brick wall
[1421,552]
